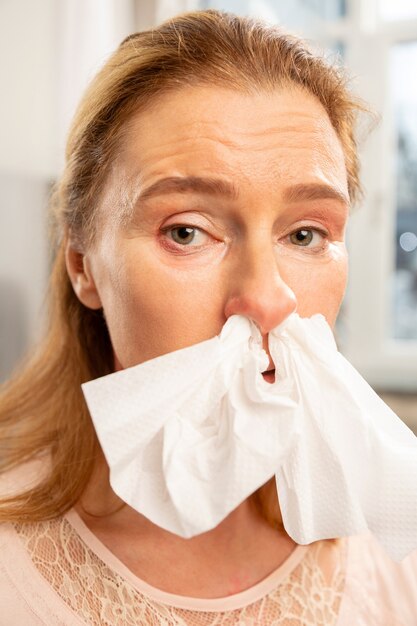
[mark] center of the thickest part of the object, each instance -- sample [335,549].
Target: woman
[210,169]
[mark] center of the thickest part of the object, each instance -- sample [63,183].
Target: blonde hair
[42,406]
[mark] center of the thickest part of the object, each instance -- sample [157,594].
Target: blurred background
[49,49]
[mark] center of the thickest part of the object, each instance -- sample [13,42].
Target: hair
[42,407]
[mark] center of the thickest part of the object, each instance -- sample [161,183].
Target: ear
[81,277]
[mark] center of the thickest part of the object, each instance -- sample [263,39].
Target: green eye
[183,234]
[302,237]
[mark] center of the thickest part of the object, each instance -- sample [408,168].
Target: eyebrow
[183,184]
[314,191]
[303,192]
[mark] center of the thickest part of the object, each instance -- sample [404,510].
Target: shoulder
[27,596]
[382,566]
[13,607]
[382,589]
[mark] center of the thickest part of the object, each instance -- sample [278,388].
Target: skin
[162,289]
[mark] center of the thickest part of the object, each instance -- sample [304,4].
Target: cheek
[319,286]
[152,309]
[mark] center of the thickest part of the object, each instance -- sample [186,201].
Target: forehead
[261,139]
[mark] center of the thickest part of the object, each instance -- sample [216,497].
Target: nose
[258,290]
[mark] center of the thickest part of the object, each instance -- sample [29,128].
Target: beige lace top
[59,573]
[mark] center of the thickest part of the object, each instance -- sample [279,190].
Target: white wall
[28,69]
[23,265]
[28,155]
[89,32]
[49,49]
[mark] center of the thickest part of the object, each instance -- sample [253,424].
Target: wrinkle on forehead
[193,113]
[193,134]
[149,145]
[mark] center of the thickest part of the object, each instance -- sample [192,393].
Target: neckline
[226,603]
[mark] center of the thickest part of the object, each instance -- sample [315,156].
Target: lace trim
[308,596]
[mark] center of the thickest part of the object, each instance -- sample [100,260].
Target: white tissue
[191,434]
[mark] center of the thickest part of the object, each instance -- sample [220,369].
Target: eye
[183,234]
[186,235]
[305,236]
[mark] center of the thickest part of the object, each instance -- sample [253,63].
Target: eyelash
[181,248]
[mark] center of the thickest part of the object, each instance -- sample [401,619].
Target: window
[403,56]
[301,15]
[398,9]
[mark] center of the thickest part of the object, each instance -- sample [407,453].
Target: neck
[100,506]
[235,555]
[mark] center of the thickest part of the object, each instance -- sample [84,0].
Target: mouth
[269,375]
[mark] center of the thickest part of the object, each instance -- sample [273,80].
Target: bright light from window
[398,9]
[408,242]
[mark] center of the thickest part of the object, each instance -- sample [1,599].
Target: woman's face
[220,203]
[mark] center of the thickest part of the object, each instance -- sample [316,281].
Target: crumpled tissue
[191,434]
